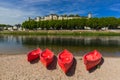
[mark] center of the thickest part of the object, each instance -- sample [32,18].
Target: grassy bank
[64,32]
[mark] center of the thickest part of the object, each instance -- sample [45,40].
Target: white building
[60,18]
[38,18]
[56,17]
[46,18]
[89,15]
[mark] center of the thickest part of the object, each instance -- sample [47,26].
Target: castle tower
[89,15]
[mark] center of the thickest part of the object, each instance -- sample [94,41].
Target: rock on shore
[16,67]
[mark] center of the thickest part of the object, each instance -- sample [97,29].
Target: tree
[93,23]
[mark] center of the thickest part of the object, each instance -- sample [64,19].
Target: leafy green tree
[93,23]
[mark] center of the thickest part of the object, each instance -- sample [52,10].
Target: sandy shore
[16,67]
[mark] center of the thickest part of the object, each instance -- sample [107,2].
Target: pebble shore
[16,67]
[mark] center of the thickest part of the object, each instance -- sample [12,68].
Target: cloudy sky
[17,11]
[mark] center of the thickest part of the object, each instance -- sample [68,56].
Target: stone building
[89,15]
[56,17]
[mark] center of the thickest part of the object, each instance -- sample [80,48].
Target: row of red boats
[65,58]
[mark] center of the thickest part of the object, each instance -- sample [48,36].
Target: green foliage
[93,23]
[61,33]
[3,25]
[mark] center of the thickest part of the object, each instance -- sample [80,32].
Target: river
[109,46]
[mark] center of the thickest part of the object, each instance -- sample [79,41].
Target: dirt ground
[16,67]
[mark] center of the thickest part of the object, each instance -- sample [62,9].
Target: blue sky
[17,11]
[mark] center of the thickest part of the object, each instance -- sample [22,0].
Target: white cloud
[9,12]
[13,16]
[12,13]
[115,7]
[34,1]
[75,12]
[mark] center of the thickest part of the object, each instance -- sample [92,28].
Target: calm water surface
[108,46]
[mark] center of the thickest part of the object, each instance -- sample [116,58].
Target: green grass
[97,34]
[63,33]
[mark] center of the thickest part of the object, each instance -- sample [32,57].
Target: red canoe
[46,57]
[65,60]
[34,54]
[92,59]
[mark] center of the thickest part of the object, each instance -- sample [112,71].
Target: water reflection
[72,41]
[77,45]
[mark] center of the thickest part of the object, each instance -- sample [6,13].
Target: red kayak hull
[92,59]
[65,60]
[46,57]
[34,54]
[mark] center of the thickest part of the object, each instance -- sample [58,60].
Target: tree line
[71,24]
[4,25]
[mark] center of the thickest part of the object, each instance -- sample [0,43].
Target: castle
[56,17]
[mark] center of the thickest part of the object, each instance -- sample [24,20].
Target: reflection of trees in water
[77,45]
[10,39]
[62,41]
[71,41]
[1,38]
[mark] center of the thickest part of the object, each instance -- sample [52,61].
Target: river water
[109,46]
